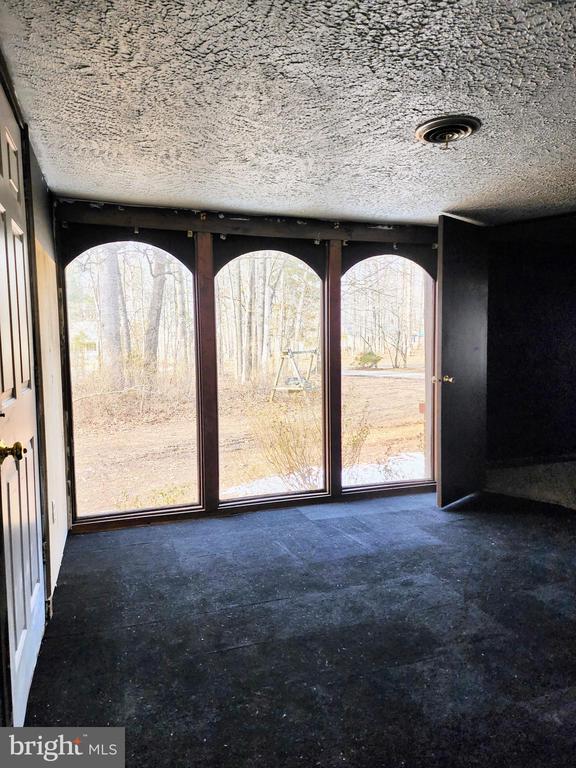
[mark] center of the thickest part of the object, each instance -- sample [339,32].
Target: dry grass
[127,460]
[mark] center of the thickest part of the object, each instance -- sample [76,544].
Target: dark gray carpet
[375,633]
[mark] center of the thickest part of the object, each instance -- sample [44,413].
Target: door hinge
[48,608]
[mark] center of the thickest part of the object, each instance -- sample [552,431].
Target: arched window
[132,343]
[270,390]
[386,372]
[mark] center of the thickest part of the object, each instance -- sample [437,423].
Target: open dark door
[461,359]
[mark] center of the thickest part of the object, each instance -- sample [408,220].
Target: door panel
[461,356]
[6,357]
[21,522]
[33,522]
[13,539]
[21,303]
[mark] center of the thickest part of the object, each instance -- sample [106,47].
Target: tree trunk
[239,323]
[298,321]
[256,324]
[280,336]
[125,329]
[266,300]
[248,328]
[110,303]
[184,345]
[158,270]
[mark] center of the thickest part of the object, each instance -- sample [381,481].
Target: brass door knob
[448,379]
[16,450]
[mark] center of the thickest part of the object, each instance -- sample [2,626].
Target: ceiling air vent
[443,130]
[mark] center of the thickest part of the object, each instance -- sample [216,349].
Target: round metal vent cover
[442,130]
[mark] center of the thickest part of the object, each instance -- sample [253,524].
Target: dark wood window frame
[317,256]
[204,243]
[425,258]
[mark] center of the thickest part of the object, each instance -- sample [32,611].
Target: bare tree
[157,264]
[110,323]
[184,337]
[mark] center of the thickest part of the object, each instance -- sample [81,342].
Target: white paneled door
[19,498]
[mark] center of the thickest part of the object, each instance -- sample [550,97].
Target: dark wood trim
[229,509]
[392,489]
[75,239]
[229,247]
[71,242]
[6,83]
[119,519]
[437,386]
[431,425]
[85,212]
[425,255]
[280,499]
[333,369]
[69,453]
[207,373]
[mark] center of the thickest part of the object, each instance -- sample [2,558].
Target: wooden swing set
[297,382]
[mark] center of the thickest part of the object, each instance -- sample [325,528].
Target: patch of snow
[405,466]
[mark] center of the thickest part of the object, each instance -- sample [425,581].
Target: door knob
[448,379]
[16,450]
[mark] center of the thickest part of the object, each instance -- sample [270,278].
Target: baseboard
[529,461]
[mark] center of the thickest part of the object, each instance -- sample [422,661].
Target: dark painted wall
[532,347]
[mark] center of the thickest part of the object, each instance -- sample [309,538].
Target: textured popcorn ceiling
[300,107]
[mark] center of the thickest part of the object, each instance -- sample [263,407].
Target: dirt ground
[152,465]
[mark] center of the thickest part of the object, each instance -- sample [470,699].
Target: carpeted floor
[376,633]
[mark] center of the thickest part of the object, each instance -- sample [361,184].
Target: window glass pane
[386,317]
[132,359]
[269,309]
